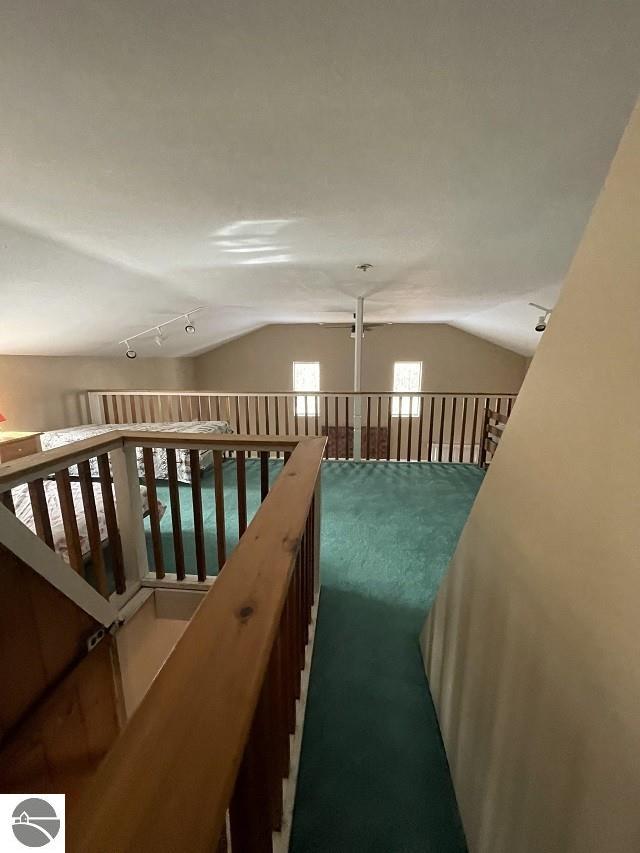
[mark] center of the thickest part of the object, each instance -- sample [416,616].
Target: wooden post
[124,467]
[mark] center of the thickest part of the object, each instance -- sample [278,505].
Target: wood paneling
[42,633]
[56,747]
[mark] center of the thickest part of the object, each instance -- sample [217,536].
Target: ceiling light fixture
[159,336]
[541,325]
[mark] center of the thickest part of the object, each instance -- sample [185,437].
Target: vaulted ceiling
[247,155]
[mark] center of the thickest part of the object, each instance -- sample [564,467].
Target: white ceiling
[246,155]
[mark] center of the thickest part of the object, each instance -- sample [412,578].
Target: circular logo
[35,822]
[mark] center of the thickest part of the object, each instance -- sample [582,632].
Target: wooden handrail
[168,780]
[46,462]
[29,468]
[135,393]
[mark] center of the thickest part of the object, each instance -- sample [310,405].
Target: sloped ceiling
[244,155]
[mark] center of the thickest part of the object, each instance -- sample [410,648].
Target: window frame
[311,406]
[406,405]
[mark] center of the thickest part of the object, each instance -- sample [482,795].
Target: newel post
[130,514]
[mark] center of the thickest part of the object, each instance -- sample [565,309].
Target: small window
[306,377]
[407,377]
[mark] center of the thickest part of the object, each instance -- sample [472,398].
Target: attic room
[313,319]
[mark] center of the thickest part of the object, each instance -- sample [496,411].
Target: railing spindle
[250,808]
[176,518]
[264,474]
[6,499]
[154,516]
[306,415]
[266,415]
[337,436]
[453,428]
[389,407]
[409,429]
[399,429]
[93,528]
[462,430]
[420,424]
[379,406]
[69,520]
[40,511]
[346,428]
[218,485]
[441,435]
[473,430]
[430,437]
[198,523]
[241,477]
[277,727]
[247,416]
[326,425]
[367,455]
[111,521]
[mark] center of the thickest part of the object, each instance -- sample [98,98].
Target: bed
[24,513]
[60,437]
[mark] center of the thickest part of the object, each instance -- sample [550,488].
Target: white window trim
[406,404]
[306,403]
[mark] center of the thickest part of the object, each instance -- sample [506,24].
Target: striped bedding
[24,513]
[58,438]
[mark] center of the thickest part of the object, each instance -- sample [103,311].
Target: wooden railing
[92,488]
[212,735]
[424,427]
[494,425]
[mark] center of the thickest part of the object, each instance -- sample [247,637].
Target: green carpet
[373,774]
[209,514]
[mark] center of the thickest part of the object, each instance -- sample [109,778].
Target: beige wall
[39,392]
[452,360]
[532,646]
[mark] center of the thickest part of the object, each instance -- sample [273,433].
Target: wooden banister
[167,782]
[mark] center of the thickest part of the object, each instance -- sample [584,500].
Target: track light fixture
[159,336]
[541,325]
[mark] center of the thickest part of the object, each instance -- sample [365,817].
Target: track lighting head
[158,331]
[541,325]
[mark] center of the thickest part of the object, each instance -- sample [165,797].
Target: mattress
[58,438]
[24,513]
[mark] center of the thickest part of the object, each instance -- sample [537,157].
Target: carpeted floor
[373,775]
